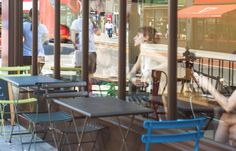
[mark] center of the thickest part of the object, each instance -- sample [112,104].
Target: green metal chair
[15,70]
[15,103]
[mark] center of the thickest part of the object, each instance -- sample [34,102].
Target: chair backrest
[196,134]
[75,69]
[157,78]
[48,91]
[64,89]
[15,70]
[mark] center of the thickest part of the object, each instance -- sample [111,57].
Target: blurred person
[76,37]
[226,131]
[28,40]
[147,39]
[109,28]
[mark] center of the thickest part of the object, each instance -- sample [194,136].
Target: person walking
[28,40]
[76,34]
[76,37]
[109,28]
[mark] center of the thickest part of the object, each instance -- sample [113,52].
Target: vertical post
[18,44]
[122,50]
[85,40]
[172,59]
[16,24]
[57,44]
[134,23]
[35,38]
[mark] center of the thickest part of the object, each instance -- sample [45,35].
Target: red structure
[46,7]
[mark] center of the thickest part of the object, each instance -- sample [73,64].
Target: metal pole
[172,59]
[57,44]
[18,43]
[122,51]
[85,39]
[35,38]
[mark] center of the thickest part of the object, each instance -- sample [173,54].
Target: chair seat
[90,127]
[44,117]
[141,99]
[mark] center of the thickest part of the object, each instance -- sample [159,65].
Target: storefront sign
[213,1]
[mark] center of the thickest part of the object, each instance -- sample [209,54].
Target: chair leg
[155,107]
[53,135]
[12,128]
[19,131]
[2,120]
[33,137]
[95,141]
[68,142]
[61,141]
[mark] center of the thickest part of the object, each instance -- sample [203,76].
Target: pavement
[15,145]
[67,51]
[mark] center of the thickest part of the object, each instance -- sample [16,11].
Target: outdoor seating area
[57,125]
[65,116]
[102,75]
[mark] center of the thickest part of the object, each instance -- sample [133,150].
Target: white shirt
[108,25]
[77,26]
[152,58]
[27,33]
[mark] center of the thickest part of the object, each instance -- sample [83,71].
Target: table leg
[13,95]
[125,136]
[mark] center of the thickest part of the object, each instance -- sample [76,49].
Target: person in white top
[109,27]
[27,44]
[148,58]
[76,37]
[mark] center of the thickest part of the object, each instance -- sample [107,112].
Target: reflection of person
[27,45]
[146,38]
[109,28]
[226,130]
[76,34]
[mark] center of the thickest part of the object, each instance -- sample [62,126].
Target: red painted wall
[47,12]
[47,16]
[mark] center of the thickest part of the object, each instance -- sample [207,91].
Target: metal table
[95,107]
[17,82]
[28,81]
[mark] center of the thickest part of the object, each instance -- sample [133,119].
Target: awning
[205,11]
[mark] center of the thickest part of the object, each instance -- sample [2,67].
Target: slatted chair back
[156,79]
[196,134]
[65,89]
[74,69]
[15,70]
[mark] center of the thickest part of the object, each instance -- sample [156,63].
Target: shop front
[212,25]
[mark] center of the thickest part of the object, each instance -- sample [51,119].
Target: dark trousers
[109,32]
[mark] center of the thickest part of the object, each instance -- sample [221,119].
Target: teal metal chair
[196,134]
[55,119]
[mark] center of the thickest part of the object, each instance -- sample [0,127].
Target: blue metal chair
[196,134]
